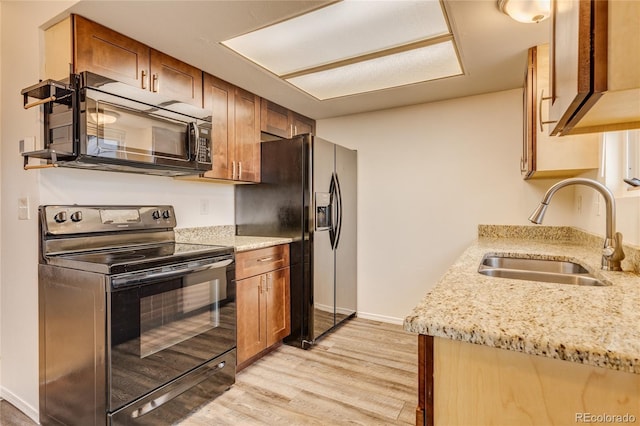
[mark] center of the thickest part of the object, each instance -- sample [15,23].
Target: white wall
[21,42]
[428,175]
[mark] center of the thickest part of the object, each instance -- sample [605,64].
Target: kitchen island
[505,351]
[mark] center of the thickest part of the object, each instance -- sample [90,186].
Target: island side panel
[480,385]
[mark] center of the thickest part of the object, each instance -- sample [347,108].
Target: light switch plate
[24,212]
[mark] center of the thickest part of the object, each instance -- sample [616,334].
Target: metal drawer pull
[144,79]
[265,259]
[543,98]
[163,399]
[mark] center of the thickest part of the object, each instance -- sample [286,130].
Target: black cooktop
[136,258]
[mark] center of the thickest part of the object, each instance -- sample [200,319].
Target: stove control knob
[60,217]
[77,216]
[166,214]
[156,214]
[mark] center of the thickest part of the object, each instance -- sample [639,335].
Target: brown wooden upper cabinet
[279,121]
[235,115]
[103,51]
[595,57]
[545,156]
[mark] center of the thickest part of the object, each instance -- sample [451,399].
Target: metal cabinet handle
[155,84]
[233,170]
[265,259]
[543,98]
[143,78]
[239,170]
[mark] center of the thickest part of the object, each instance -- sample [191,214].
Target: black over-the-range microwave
[94,122]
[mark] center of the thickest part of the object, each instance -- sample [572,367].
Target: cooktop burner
[127,259]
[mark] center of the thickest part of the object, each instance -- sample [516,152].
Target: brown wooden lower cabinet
[469,384]
[263,299]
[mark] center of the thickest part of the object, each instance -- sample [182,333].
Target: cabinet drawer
[254,262]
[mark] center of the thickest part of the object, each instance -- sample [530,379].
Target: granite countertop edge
[598,326]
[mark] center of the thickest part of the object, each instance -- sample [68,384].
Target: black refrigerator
[308,193]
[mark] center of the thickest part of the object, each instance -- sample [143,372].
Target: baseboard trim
[21,405]
[381,318]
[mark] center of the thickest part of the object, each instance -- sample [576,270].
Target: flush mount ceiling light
[353,46]
[527,11]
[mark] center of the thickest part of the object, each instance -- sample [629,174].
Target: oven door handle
[162,273]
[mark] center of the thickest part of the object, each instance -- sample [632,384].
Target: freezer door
[322,254]
[346,240]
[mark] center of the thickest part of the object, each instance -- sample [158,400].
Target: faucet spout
[612,253]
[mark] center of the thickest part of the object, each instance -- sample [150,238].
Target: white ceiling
[491,45]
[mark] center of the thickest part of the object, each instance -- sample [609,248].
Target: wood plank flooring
[363,373]
[11,416]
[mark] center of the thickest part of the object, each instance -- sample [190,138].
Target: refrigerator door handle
[339,211]
[334,212]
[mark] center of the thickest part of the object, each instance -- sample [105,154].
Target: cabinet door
[175,79]
[251,307]
[527,161]
[247,140]
[302,124]
[219,98]
[274,119]
[278,318]
[578,67]
[547,156]
[110,54]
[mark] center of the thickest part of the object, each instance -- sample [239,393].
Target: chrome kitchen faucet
[612,253]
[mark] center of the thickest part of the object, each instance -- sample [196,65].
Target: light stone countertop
[598,326]
[224,236]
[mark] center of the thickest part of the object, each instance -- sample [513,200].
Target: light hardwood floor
[363,373]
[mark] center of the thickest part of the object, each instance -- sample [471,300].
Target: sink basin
[546,270]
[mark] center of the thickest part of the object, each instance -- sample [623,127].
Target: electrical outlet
[579,203]
[23,208]
[204,207]
[27,144]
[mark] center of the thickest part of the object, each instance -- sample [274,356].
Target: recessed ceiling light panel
[340,31]
[356,46]
[412,66]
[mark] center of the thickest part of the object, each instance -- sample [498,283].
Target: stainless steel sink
[546,270]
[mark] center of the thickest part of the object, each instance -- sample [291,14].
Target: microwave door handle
[193,147]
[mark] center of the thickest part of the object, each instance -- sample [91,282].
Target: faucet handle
[612,254]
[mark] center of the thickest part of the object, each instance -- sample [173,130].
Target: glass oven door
[166,322]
